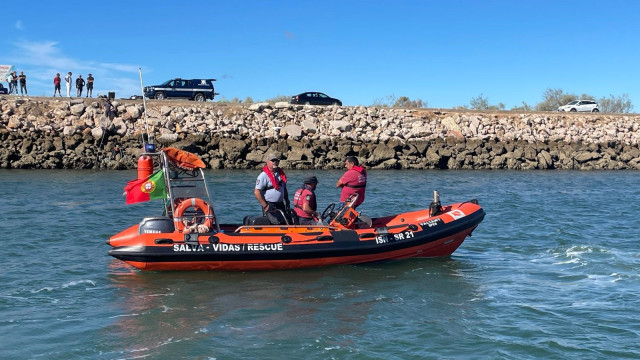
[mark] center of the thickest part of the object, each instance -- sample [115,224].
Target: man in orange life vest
[271,186]
[354,181]
[304,202]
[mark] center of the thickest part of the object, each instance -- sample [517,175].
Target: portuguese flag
[146,189]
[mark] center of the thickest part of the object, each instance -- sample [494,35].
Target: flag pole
[144,106]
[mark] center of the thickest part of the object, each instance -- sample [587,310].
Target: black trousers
[275,216]
[276,205]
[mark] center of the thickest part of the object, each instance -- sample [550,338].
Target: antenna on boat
[148,145]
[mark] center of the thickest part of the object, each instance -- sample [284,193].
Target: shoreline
[59,133]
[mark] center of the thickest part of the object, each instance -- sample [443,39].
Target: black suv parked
[192,89]
[314,98]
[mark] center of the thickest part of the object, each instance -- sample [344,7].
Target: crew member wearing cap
[304,202]
[271,186]
[354,181]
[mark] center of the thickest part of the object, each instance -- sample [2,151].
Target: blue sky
[443,52]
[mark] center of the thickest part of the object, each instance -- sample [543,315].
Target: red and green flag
[146,189]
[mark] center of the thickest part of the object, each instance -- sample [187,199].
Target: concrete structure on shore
[48,133]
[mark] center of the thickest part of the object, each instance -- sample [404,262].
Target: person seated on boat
[304,202]
[354,181]
[271,189]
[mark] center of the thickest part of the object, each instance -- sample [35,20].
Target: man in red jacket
[354,181]
[56,85]
[271,189]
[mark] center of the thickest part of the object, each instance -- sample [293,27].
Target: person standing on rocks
[354,181]
[89,85]
[10,85]
[79,85]
[14,82]
[271,189]
[23,83]
[68,79]
[56,85]
[107,109]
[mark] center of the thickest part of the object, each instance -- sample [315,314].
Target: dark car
[3,90]
[314,98]
[192,89]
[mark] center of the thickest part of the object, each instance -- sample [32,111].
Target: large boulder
[259,106]
[97,132]
[585,156]
[293,131]
[77,109]
[232,149]
[69,130]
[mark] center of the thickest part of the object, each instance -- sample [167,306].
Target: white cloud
[44,53]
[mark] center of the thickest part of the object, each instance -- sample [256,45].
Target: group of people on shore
[13,79]
[271,190]
[79,82]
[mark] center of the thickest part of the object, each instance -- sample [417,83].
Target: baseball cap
[310,180]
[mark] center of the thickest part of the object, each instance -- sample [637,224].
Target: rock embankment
[45,133]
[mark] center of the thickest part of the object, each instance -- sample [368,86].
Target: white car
[580,105]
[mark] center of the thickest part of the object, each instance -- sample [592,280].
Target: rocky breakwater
[49,133]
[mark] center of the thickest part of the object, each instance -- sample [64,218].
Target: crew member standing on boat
[354,181]
[271,186]
[304,202]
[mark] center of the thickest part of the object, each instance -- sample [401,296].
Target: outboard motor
[156,225]
[435,208]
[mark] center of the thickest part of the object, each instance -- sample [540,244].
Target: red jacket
[355,182]
[302,196]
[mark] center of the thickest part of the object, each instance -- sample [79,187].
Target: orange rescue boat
[188,236]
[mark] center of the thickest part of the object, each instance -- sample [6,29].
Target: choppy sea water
[551,273]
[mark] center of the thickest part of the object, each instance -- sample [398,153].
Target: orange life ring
[195,203]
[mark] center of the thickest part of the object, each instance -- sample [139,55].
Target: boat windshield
[183,183]
[186,185]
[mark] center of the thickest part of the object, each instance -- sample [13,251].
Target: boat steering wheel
[328,213]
